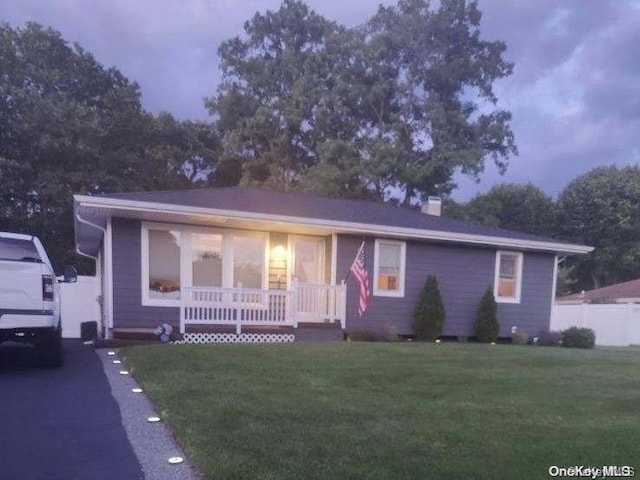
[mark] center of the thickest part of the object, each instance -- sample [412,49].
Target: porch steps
[135,334]
[319,332]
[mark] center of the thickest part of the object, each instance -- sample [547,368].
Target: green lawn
[394,410]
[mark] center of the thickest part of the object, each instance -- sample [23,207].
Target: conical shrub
[429,315]
[486,327]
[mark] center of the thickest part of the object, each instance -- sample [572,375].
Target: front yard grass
[394,411]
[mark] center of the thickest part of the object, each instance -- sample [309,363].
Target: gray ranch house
[231,262]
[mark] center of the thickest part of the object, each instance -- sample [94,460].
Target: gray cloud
[574,94]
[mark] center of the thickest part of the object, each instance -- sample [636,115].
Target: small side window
[508,277]
[389,266]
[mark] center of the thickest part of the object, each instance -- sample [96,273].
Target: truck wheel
[51,351]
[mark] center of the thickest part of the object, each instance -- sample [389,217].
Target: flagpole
[359,270]
[354,261]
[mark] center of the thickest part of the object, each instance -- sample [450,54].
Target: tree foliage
[398,104]
[429,315]
[440,73]
[602,209]
[70,126]
[523,208]
[271,89]
[187,150]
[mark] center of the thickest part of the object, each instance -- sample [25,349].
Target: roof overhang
[92,214]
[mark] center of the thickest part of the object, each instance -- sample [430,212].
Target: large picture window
[389,266]
[508,277]
[174,258]
[248,261]
[206,260]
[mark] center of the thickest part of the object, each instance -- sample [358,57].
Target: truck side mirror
[70,274]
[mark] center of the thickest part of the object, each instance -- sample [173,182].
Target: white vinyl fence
[79,303]
[614,324]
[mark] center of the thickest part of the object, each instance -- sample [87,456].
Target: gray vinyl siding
[464,273]
[128,311]
[533,313]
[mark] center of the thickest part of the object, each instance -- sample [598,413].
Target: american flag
[359,270]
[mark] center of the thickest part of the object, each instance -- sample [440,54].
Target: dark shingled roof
[304,206]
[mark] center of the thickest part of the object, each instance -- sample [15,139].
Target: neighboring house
[247,260]
[625,292]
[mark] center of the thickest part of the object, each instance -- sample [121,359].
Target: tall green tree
[398,104]
[438,113]
[189,150]
[602,209]
[272,84]
[69,125]
[66,126]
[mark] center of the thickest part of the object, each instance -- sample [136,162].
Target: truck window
[19,250]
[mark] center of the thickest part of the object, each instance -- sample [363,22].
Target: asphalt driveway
[61,423]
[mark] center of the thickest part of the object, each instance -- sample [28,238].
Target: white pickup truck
[30,296]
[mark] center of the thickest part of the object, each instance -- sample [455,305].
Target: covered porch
[207,270]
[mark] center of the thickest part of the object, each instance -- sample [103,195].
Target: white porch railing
[251,307]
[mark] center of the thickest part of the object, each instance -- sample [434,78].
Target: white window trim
[376,263]
[185,257]
[496,278]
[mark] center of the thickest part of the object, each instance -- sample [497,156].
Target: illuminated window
[178,257]
[388,269]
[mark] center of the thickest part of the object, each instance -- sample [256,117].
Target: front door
[308,268]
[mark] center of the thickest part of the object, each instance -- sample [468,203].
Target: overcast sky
[574,94]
